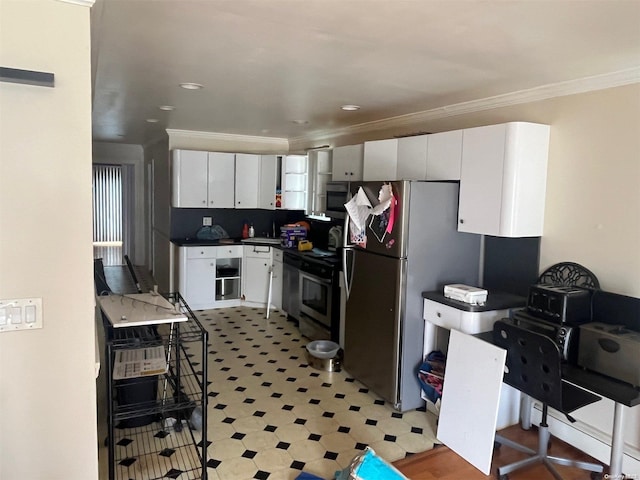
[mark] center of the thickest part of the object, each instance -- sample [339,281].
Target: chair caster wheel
[496,445]
[502,477]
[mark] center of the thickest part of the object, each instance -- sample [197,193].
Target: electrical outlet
[207,221]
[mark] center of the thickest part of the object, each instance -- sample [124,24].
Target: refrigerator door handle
[345,246]
[345,272]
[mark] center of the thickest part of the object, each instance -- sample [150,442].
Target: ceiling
[283,68]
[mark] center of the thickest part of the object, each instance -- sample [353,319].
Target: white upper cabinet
[247,180]
[412,158]
[380,160]
[347,163]
[202,179]
[221,169]
[444,155]
[503,179]
[268,177]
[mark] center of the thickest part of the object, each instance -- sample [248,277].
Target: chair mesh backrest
[533,363]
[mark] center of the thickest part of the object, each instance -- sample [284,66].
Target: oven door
[315,298]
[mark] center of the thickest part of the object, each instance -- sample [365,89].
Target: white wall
[592,214]
[157,155]
[124,154]
[47,376]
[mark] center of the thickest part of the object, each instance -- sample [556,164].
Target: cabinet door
[444,156]
[412,158]
[189,179]
[380,160]
[347,163]
[200,282]
[221,178]
[481,179]
[247,180]
[267,190]
[503,179]
[256,279]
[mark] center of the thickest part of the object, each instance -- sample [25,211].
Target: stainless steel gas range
[311,292]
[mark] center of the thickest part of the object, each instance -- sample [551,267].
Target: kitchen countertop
[316,254]
[196,242]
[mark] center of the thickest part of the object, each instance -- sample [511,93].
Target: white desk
[443,314]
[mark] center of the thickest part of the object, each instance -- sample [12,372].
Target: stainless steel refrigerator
[411,247]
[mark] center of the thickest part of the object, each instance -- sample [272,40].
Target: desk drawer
[454,319]
[442,315]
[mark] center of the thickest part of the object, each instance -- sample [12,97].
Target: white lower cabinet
[197,276]
[209,277]
[255,274]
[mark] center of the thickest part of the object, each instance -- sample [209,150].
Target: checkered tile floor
[272,416]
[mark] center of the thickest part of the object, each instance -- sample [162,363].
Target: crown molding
[186,135]
[544,92]
[82,3]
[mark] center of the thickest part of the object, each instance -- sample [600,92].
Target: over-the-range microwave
[337,196]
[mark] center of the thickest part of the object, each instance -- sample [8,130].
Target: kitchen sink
[262,240]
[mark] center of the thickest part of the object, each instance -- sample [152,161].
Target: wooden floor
[444,464]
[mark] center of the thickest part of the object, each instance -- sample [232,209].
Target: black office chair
[533,366]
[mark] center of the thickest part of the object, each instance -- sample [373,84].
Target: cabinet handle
[438,314]
[461,220]
[346,173]
[211,264]
[204,201]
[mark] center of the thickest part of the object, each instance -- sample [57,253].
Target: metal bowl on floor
[333,364]
[323,348]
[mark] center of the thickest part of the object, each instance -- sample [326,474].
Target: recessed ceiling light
[350,108]
[152,120]
[300,122]
[167,108]
[191,86]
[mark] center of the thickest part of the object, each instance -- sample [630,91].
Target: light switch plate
[207,221]
[20,314]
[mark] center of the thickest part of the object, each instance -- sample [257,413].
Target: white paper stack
[139,362]
[466,293]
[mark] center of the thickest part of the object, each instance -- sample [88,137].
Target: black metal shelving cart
[157,388]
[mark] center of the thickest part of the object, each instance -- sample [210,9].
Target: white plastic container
[465,293]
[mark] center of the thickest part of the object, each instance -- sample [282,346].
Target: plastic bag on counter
[213,232]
